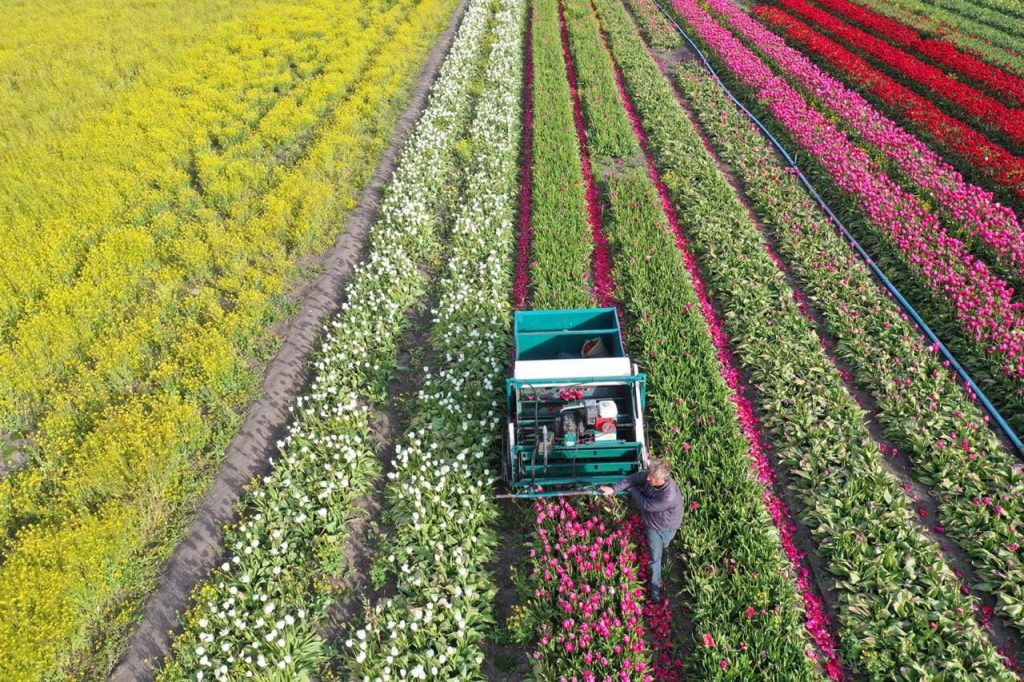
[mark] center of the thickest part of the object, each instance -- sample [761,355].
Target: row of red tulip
[945,54]
[969,102]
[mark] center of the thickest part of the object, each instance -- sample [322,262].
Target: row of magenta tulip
[959,98]
[979,305]
[439,499]
[259,612]
[973,212]
[734,566]
[921,409]
[997,81]
[977,156]
[818,431]
[521,285]
[585,600]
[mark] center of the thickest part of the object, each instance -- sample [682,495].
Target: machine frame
[550,380]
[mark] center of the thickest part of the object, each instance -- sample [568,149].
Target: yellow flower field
[148,250]
[62,61]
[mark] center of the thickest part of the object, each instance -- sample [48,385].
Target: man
[661,507]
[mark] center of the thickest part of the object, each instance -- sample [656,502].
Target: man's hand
[606,490]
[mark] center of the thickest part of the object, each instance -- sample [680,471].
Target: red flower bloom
[977,104]
[954,136]
[992,77]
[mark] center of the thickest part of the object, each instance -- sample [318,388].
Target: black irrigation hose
[925,329]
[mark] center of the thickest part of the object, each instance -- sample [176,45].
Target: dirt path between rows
[247,456]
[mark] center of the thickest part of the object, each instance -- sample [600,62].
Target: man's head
[658,472]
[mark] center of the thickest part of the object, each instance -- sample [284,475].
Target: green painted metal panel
[548,334]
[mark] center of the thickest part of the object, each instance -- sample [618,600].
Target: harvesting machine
[575,405]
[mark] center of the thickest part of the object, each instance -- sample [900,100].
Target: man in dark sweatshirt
[661,507]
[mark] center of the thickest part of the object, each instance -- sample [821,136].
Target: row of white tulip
[257,614]
[439,498]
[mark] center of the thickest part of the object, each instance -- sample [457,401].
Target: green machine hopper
[575,404]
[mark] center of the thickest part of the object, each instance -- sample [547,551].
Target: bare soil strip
[504,660]
[248,454]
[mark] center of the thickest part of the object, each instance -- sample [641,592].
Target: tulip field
[174,177]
